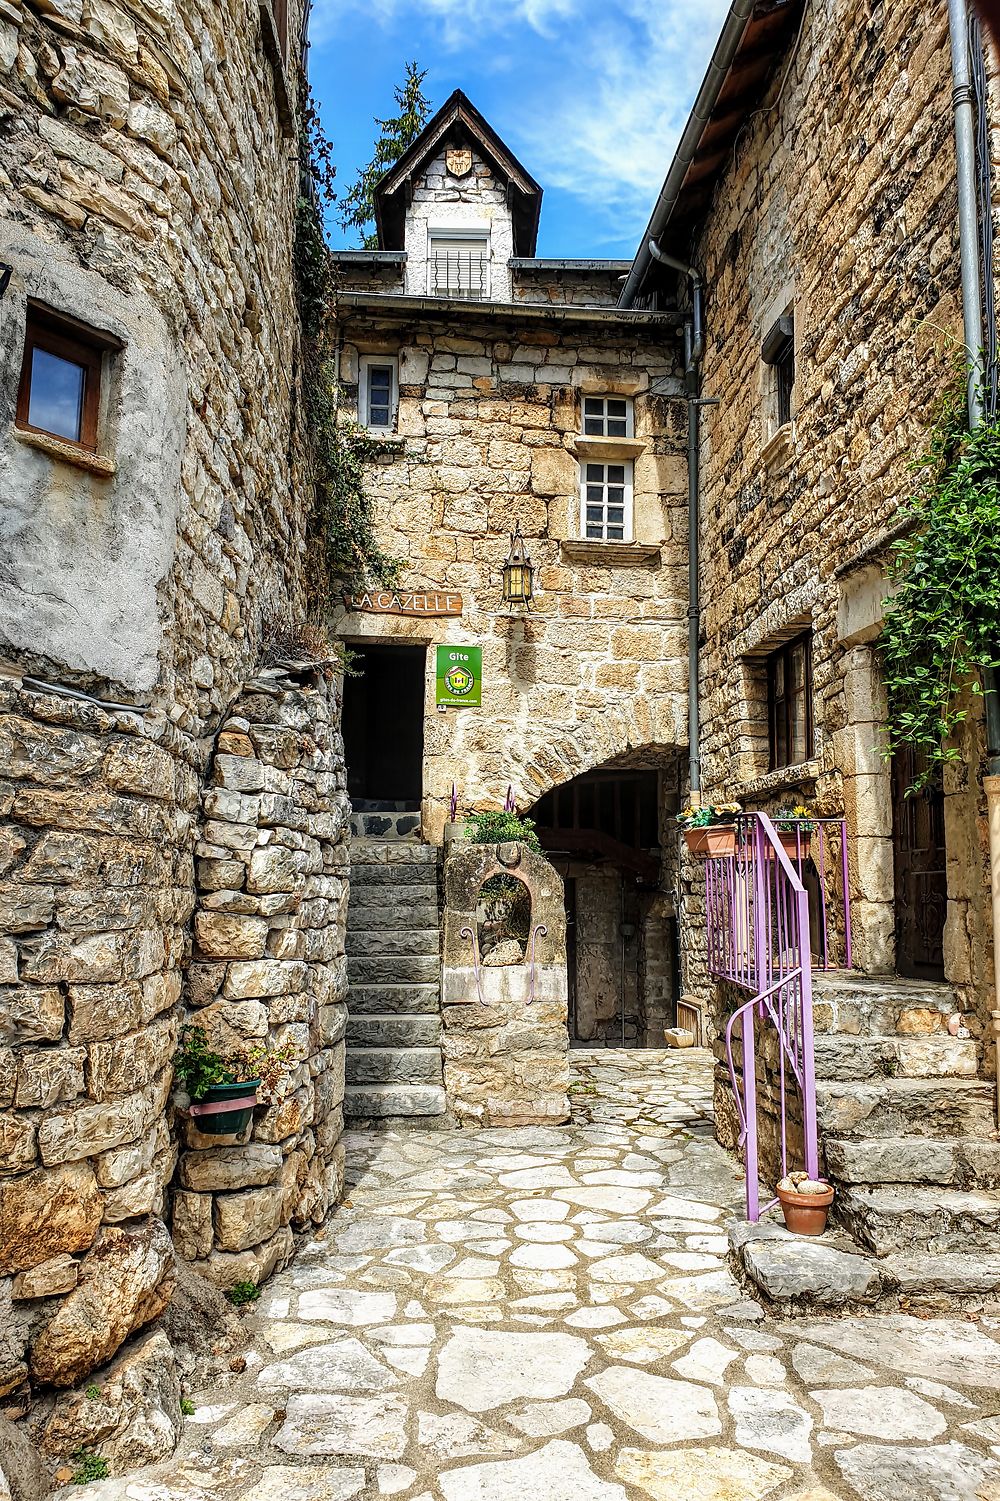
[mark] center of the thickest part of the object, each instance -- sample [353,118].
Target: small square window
[59,393]
[789,703]
[607,417]
[378,397]
[606,502]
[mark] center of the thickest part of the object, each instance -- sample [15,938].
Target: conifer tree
[395,134]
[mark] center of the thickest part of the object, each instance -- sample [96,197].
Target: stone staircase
[394,1070]
[908,1132]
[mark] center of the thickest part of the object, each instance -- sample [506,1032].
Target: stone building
[509,395]
[172,800]
[825,237]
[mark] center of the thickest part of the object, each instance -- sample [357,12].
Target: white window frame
[627,485]
[474,234]
[368,363]
[603,418]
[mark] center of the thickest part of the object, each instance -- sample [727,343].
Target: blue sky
[590,96]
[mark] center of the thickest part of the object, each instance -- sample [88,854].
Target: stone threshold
[800,1274]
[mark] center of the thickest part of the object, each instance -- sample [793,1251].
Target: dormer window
[458,265]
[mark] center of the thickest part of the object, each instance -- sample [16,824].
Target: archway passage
[602,831]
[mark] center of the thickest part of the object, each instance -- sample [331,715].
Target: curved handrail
[769,907]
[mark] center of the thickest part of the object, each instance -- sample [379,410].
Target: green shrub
[242,1292]
[502,828]
[89,1467]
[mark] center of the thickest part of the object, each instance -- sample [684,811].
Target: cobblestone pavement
[548,1315]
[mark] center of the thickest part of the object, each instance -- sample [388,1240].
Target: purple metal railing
[819,859]
[762,933]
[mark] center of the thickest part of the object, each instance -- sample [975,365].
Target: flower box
[712,840]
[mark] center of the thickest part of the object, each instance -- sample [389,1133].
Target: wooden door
[921,880]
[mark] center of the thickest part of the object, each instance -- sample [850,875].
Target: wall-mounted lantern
[518,573]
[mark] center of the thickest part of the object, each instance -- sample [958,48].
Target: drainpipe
[694,349]
[972,317]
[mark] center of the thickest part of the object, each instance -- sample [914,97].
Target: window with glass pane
[789,695]
[60,387]
[607,501]
[607,417]
[379,395]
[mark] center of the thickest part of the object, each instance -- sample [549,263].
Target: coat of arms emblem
[458,161]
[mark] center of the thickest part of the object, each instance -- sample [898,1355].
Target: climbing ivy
[340,452]
[942,626]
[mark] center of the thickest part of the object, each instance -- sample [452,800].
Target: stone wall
[489,414]
[847,217]
[148,188]
[268,967]
[94,899]
[570,286]
[504,1009]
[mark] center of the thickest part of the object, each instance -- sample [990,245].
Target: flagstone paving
[549,1313]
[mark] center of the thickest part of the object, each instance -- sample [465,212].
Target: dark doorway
[601,833]
[920,875]
[384,725]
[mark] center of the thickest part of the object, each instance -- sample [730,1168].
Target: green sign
[459,676]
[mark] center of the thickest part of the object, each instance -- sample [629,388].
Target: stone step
[913,1218]
[958,1161]
[870,1005]
[415,907]
[394,969]
[393,875]
[377,1000]
[391,852]
[384,1101]
[907,1107]
[394,1066]
[851,1058]
[375,942]
[393,1031]
[832,1271]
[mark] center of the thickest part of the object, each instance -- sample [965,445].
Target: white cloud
[462,20]
[608,133]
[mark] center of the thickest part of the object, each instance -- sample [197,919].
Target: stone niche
[505,1016]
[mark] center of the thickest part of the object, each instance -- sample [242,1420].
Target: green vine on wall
[942,625]
[341,453]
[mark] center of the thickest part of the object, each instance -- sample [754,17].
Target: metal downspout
[693,350]
[972,318]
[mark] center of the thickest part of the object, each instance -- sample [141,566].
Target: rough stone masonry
[172,799]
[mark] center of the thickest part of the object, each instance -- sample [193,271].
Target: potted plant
[220,1093]
[805,1203]
[794,827]
[711,829]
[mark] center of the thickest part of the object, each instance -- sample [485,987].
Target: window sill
[272,46]
[778,780]
[387,442]
[610,554]
[608,448]
[779,447]
[69,453]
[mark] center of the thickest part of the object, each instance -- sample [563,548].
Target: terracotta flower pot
[713,840]
[805,1214]
[792,845]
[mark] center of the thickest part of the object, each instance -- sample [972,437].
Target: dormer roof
[458,123]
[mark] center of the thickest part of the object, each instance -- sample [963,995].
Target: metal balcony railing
[460,273]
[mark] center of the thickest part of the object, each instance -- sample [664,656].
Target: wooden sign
[404,602]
